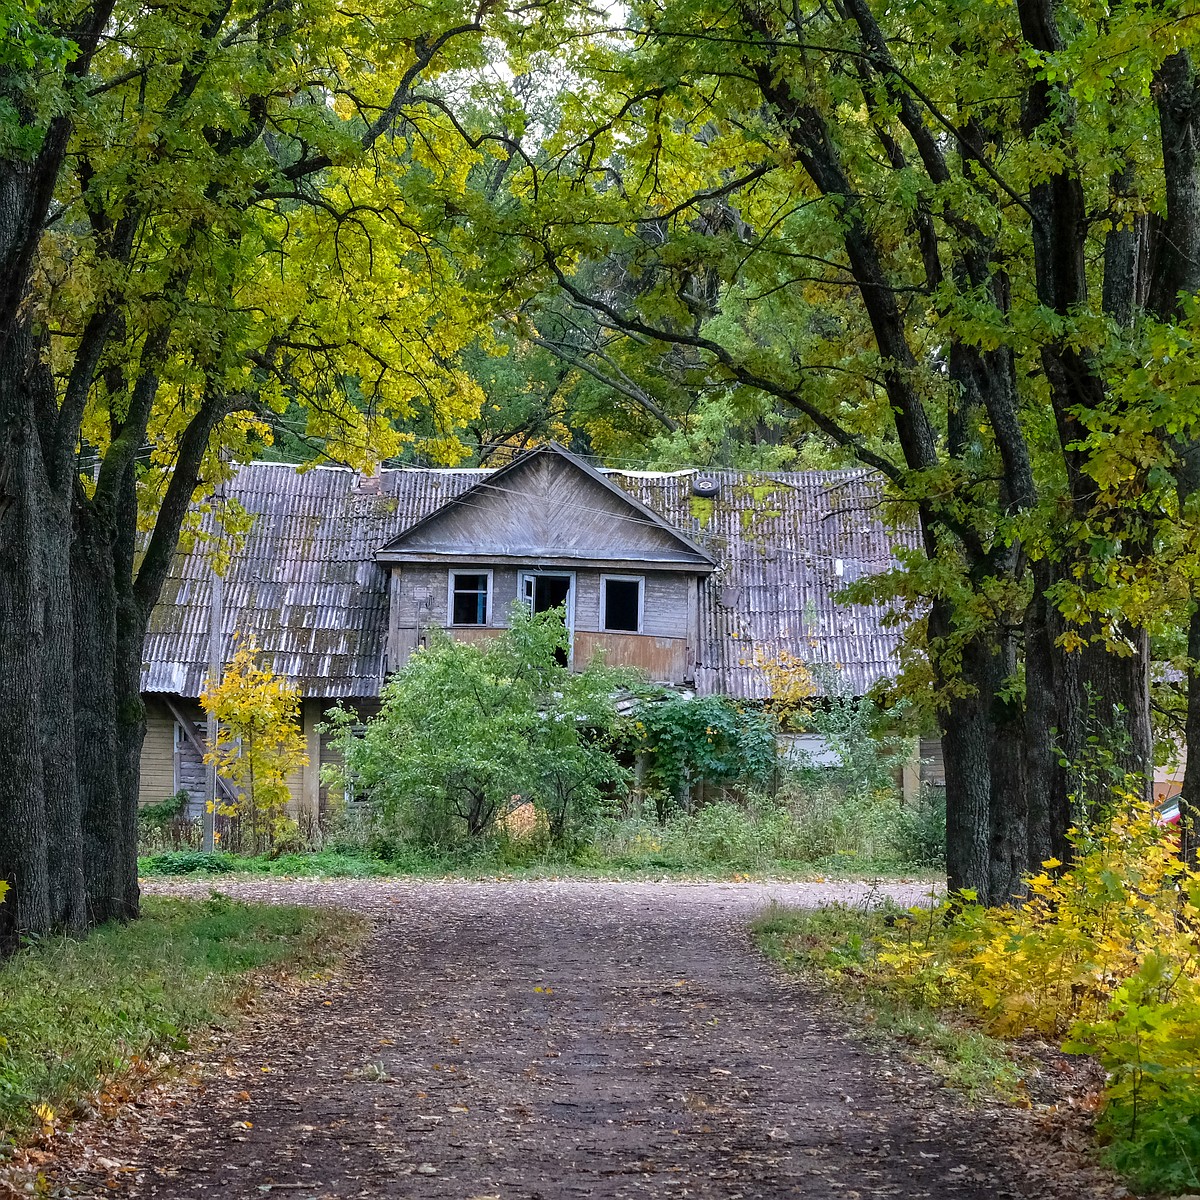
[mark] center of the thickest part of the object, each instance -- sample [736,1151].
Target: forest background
[956,244]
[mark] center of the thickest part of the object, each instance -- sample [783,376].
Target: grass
[836,944]
[77,1017]
[586,865]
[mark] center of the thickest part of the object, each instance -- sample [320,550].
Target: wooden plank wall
[663,659]
[419,601]
[157,780]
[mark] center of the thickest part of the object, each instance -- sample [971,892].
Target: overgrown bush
[468,732]
[1104,955]
[165,825]
[688,741]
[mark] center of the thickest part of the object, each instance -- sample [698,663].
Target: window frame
[451,623]
[640,580]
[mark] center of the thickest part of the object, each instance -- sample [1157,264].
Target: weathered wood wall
[167,766]
[420,601]
[664,659]
[158,754]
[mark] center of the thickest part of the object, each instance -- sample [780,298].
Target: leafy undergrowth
[79,1018]
[520,863]
[842,943]
[1104,958]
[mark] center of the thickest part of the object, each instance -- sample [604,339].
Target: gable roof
[307,585]
[551,507]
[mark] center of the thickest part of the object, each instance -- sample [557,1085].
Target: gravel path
[503,1041]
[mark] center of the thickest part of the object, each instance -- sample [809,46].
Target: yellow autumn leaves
[259,741]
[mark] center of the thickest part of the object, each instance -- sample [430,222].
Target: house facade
[701,579]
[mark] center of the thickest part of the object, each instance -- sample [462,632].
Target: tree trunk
[1045,781]
[1009,803]
[132,621]
[967,758]
[95,608]
[68,889]
[24,863]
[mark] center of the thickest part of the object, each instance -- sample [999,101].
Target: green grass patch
[318,864]
[837,944]
[512,862]
[78,1015]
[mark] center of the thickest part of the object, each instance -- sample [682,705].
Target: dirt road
[504,1041]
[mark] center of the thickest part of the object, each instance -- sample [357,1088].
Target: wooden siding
[165,767]
[664,659]
[933,769]
[419,596]
[546,508]
[157,780]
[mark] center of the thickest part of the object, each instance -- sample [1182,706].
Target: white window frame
[640,580]
[450,622]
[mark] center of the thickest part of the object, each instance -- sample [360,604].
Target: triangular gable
[547,506]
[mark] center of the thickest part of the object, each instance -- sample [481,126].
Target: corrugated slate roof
[307,586]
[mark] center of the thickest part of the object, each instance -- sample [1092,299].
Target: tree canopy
[957,245]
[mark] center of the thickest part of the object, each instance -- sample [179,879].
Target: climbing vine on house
[259,742]
[692,741]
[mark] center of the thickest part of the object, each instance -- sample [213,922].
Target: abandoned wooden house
[700,578]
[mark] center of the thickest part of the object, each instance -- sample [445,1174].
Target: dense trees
[959,245]
[208,214]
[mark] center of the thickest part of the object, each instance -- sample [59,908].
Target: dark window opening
[622,601]
[544,593]
[470,600]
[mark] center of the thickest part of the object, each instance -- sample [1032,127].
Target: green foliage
[797,829]
[706,739]
[188,862]
[153,818]
[1103,955]
[81,1017]
[854,800]
[468,732]
[355,864]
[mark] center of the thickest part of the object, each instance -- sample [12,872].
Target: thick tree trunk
[1009,807]
[24,863]
[107,846]
[132,620]
[68,891]
[1045,781]
[966,755]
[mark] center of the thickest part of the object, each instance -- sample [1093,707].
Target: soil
[555,1040]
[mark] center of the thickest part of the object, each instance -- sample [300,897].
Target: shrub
[188,862]
[468,731]
[1104,954]
[710,739]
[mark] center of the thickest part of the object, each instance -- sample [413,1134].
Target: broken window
[622,603]
[470,597]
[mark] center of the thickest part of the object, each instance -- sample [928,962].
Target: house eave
[398,558]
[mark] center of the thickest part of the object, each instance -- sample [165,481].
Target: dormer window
[621,603]
[470,597]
